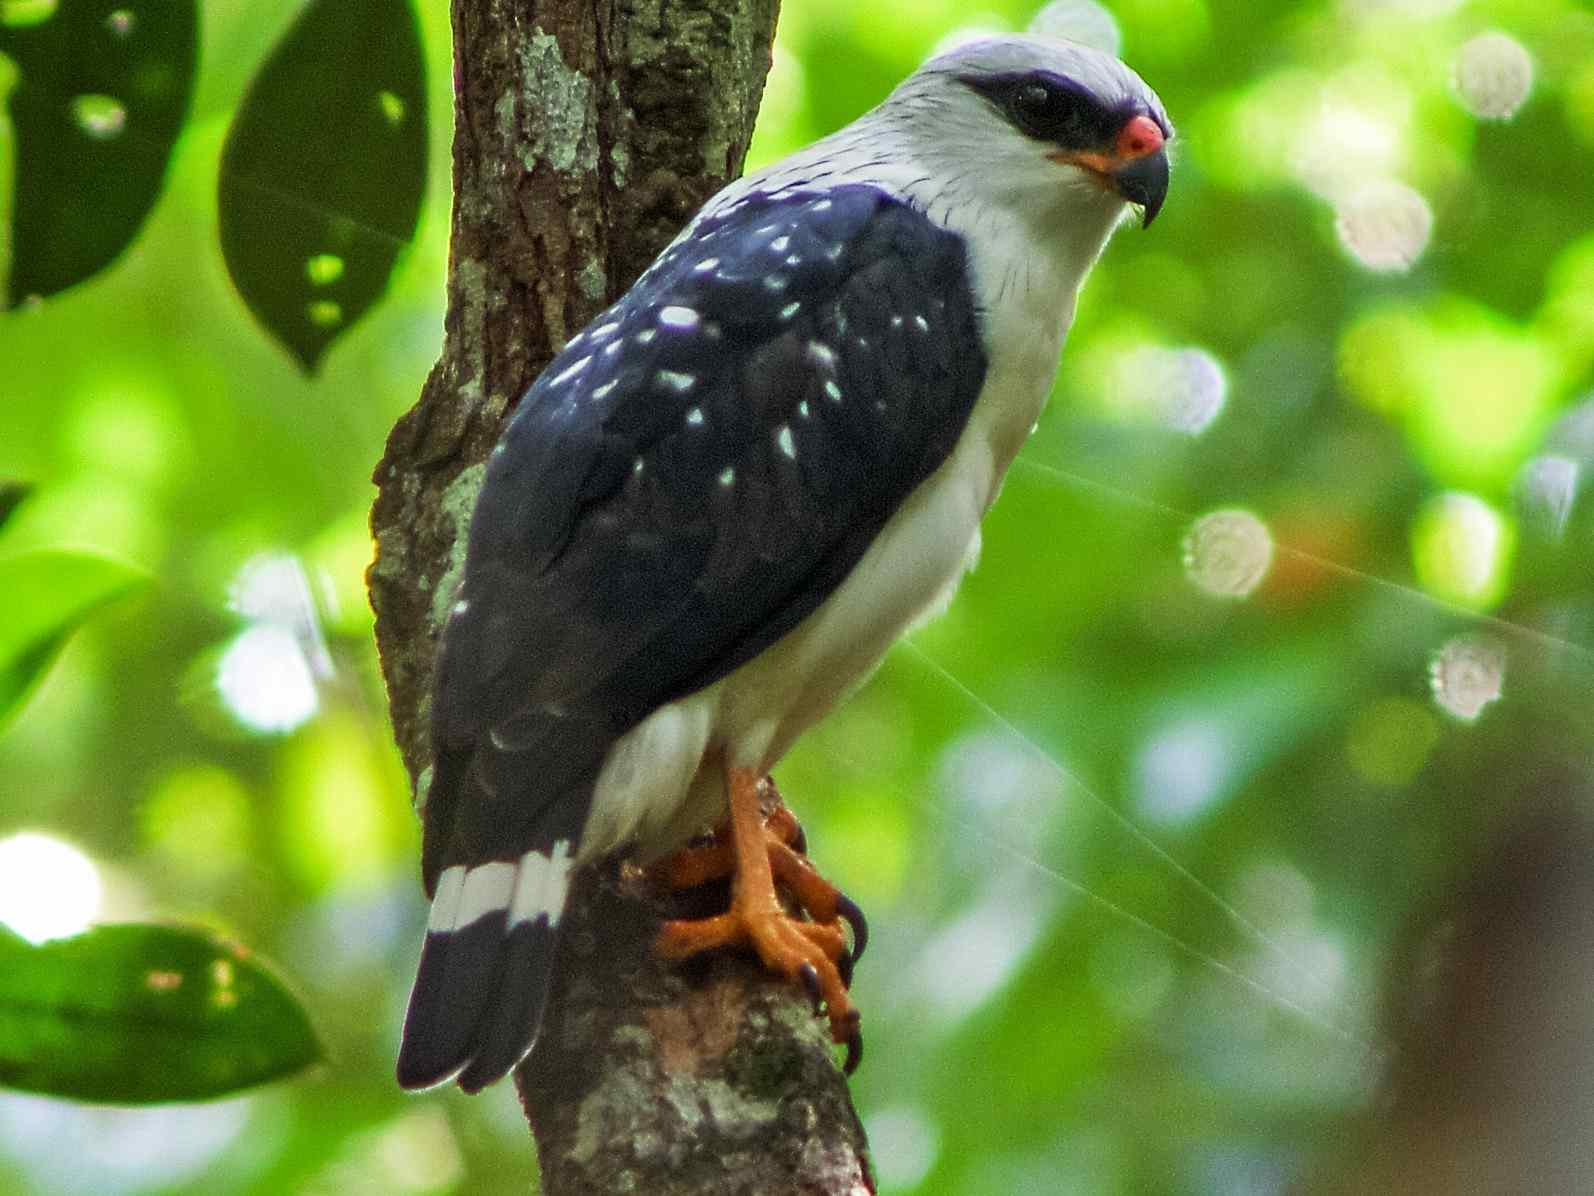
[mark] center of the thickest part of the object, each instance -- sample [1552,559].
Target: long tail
[499,874]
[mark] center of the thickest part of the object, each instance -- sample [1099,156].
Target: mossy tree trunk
[586,132]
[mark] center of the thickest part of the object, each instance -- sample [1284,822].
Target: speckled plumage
[722,502]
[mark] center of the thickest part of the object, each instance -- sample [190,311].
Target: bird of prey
[723,501]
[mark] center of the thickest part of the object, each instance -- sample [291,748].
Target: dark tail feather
[456,982]
[484,969]
[509,1025]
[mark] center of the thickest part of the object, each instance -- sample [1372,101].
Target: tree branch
[586,132]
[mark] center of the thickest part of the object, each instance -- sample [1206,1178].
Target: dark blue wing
[691,476]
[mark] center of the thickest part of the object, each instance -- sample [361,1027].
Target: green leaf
[135,1014]
[103,91]
[44,597]
[12,495]
[323,170]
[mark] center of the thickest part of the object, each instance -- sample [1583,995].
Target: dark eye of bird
[1053,114]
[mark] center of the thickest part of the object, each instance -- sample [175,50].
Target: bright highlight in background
[48,889]
[1547,488]
[1083,21]
[1384,225]
[1228,553]
[903,1146]
[1493,76]
[1181,389]
[1462,549]
[265,679]
[1466,675]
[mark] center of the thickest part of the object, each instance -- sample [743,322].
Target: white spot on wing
[683,318]
[833,392]
[802,409]
[780,244]
[790,310]
[604,330]
[600,391]
[822,355]
[675,380]
[728,476]
[565,375]
[921,323]
[775,282]
[704,266]
[788,445]
[695,417]
[645,337]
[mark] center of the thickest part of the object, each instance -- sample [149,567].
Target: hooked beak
[1136,169]
[1144,181]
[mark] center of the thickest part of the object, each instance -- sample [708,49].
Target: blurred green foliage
[1137,822]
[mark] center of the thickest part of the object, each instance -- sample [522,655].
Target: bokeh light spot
[101,117]
[324,313]
[1546,489]
[121,22]
[903,1145]
[323,269]
[48,888]
[1227,553]
[1180,389]
[1180,770]
[1384,225]
[1467,674]
[265,680]
[1462,549]
[1493,75]
[1353,133]
[1083,21]
[391,106]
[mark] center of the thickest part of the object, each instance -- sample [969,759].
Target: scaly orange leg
[808,952]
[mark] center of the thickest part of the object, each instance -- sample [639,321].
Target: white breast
[662,781]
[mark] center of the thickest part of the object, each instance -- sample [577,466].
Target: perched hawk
[728,496]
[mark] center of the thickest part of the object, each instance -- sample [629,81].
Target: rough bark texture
[586,133]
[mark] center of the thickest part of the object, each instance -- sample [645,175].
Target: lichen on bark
[586,132]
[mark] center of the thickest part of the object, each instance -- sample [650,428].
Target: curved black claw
[854,1045]
[809,975]
[799,843]
[844,963]
[847,909]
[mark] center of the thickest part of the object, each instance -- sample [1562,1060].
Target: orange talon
[802,951]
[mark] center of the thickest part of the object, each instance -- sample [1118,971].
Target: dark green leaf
[103,92]
[44,597]
[323,170]
[12,495]
[137,1014]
